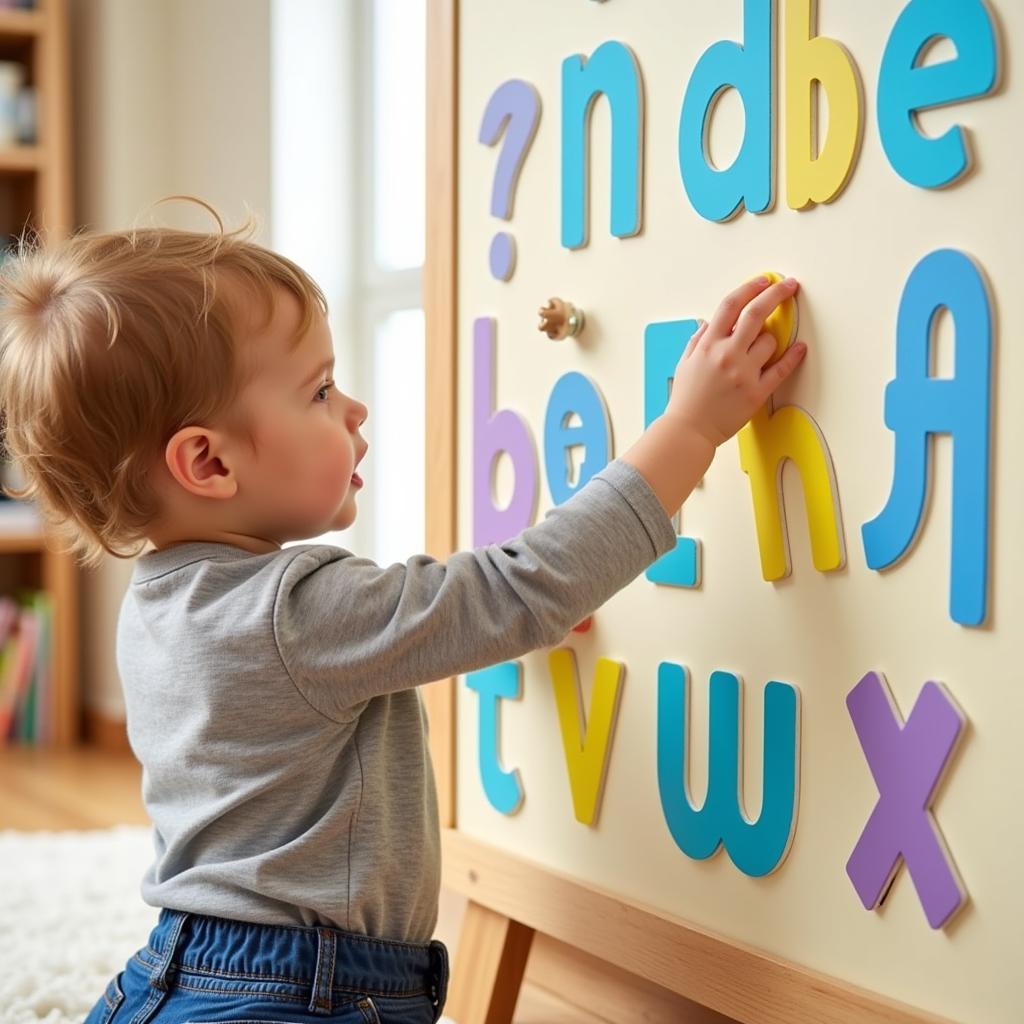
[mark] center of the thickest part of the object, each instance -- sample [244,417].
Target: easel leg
[488,968]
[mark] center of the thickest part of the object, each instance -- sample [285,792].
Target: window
[348,183]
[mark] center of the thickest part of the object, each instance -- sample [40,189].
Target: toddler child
[174,388]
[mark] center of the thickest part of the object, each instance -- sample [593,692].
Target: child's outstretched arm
[348,629]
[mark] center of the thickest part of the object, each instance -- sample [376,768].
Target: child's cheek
[338,475]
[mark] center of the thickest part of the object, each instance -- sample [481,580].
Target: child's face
[299,481]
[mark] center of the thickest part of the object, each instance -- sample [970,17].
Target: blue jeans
[203,969]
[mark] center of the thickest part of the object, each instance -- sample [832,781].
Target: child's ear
[193,456]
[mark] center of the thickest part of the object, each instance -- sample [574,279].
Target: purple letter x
[907,762]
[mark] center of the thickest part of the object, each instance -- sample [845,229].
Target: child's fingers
[775,374]
[695,337]
[751,320]
[724,318]
[762,349]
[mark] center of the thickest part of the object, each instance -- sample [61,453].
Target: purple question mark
[515,104]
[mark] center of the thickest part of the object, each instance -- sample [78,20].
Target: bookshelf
[36,188]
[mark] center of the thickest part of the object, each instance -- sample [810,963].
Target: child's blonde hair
[109,344]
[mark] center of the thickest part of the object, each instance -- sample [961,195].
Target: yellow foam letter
[767,440]
[811,58]
[586,758]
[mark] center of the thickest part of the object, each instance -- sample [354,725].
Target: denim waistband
[326,959]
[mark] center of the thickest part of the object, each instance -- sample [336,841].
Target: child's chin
[344,518]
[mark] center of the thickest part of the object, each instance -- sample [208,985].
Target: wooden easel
[485,986]
[510,900]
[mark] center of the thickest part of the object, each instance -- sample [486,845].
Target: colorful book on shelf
[29,629]
[8,633]
[8,616]
[41,727]
[8,667]
[6,662]
[18,676]
[25,711]
[23,727]
[23,664]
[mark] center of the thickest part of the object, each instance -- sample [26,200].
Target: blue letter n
[611,70]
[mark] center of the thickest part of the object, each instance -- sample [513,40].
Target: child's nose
[358,413]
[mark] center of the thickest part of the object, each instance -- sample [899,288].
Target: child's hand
[721,379]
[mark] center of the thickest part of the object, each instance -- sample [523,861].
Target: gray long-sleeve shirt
[271,701]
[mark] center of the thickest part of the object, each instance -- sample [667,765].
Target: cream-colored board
[819,631]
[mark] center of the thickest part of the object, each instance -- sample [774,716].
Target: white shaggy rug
[70,916]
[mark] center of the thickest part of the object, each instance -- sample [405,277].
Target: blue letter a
[917,405]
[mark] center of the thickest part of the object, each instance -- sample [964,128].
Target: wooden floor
[87,787]
[68,789]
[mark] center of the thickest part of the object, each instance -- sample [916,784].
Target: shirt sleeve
[348,629]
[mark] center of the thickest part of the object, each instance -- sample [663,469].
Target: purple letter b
[494,433]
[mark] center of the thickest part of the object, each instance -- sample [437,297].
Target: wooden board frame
[511,898]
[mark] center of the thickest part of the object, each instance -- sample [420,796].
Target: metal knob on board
[560,319]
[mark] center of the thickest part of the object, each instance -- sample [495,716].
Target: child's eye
[325,387]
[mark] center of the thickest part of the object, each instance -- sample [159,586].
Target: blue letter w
[756,848]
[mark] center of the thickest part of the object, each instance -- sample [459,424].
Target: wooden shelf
[15,541]
[36,190]
[21,25]
[35,178]
[22,159]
